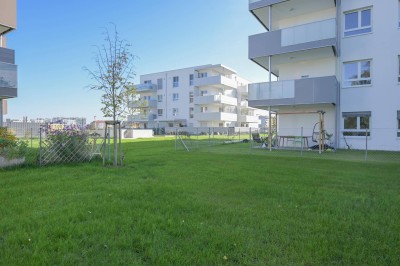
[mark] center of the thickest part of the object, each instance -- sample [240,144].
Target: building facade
[341,58]
[8,69]
[200,96]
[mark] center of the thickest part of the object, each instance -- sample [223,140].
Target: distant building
[200,96]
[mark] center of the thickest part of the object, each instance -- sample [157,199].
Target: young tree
[113,76]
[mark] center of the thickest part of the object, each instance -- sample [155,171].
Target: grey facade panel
[7,55]
[269,43]
[8,93]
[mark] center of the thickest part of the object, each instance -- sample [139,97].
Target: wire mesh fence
[258,141]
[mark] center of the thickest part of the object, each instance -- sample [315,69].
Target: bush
[10,146]
[67,144]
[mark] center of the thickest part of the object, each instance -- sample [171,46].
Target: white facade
[200,96]
[307,43]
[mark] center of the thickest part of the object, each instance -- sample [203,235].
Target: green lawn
[167,207]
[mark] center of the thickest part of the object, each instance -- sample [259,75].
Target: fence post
[176,138]
[301,141]
[366,144]
[40,146]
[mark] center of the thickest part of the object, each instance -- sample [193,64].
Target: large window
[202,75]
[356,123]
[191,78]
[175,96]
[160,112]
[357,22]
[159,98]
[175,82]
[357,73]
[147,82]
[175,111]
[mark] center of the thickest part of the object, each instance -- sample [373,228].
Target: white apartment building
[8,69]
[200,96]
[340,57]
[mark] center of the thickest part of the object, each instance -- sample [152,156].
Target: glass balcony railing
[8,76]
[310,32]
[146,87]
[278,90]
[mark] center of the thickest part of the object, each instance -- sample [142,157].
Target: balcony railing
[317,90]
[215,80]
[210,99]
[278,90]
[310,32]
[146,87]
[143,117]
[145,104]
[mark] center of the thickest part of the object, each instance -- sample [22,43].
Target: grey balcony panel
[7,55]
[320,90]
[8,80]
[8,93]
[269,43]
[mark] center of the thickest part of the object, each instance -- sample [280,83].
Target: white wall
[382,96]
[304,19]
[316,68]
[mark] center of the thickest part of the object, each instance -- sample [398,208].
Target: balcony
[300,43]
[321,90]
[8,16]
[145,104]
[215,99]
[143,117]
[248,119]
[146,87]
[8,80]
[215,81]
[215,116]
[283,9]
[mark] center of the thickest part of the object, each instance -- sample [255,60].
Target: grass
[201,208]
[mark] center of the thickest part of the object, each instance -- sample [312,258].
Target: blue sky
[54,40]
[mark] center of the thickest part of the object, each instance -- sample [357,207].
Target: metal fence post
[40,146]
[366,144]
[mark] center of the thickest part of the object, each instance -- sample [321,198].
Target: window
[159,98]
[175,111]
[356,123]
[203,109]
[147,82]
[191,111]
[202,75]
[175,82]
[357,22]
[160,112]
[398,71]
[191,78]
[203,93]
[357,73]
[191,96]
[159,84]
[398,124]
[175,96]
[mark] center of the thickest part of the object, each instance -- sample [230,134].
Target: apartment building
[338,57]
[8,69]
[200,96]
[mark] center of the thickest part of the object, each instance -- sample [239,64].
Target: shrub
[10,146]
[67,144]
